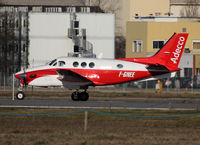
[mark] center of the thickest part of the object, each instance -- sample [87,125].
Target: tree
[120,43]
[7,43]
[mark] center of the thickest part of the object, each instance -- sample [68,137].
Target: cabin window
[83,64]
[91,65]
[75,64]
[61,63]
[120,66]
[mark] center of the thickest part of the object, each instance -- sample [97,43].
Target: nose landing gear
[20,94]
[83,96]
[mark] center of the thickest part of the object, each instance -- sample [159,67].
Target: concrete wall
[136,31]
[146,7]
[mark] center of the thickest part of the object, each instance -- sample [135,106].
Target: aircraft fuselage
[98,71]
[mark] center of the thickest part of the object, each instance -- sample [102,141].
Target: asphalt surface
[103,103]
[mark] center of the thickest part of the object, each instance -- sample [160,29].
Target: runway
[103,103]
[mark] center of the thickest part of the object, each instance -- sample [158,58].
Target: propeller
[23,78]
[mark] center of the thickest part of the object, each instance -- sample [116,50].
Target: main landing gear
[83,96]
[76,96]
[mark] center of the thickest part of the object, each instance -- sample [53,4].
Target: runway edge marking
[72,107]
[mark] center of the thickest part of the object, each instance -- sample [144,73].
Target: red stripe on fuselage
[98,77]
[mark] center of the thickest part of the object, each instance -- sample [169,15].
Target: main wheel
[84,96]
[75,96]
[20,95]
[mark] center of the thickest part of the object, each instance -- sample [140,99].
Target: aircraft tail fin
[169,56]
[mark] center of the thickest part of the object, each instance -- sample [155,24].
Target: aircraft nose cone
[22,76]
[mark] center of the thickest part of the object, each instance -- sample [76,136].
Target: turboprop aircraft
[80,73]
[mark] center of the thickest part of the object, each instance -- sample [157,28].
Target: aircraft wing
[73,80]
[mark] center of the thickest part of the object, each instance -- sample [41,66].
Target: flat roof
[43,2]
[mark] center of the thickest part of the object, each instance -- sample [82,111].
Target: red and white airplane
[80,73]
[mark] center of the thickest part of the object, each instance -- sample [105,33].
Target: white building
[49,35]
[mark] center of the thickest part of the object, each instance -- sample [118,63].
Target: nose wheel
[20,95]
[83,96]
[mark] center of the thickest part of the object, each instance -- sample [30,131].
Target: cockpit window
[55,64]
[52,61]
[61,63]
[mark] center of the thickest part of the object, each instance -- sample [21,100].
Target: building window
[53,9]
[76,24]
[23,9]
[158,44]
[157,14]
[85,9]
[70,9]
[187,72]
[196,44]
[37,9]
[184,30]
[137,45]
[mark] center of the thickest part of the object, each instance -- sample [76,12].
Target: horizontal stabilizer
[164,76]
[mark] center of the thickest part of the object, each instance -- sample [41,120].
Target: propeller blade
[24,78]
